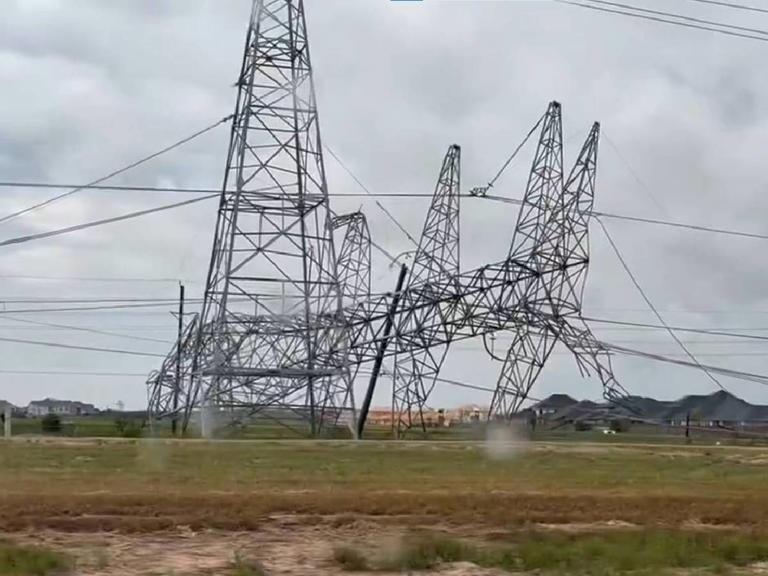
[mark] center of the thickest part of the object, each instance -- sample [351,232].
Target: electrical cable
[656,221]
[116,172]
[85,348]
[710,331]
[93,279]
[178,190]
[70,373]
[481,191]
[752,377]
[662,20]
[731,5]
[680,16]
[84,329]
[652,307]
[94,223]
[514,201]
[84,308]
[632,171]
[389,215]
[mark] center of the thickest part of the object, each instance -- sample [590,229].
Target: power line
[710,331]
[70,373]
[680,16]
[658,315]
[179,190]
[389,215]
[84,308]
[85,329]
[483,190]
[95,300]
[93,279]
[662,20]
[752,377]
[732,5]
[682,225]
[94,223]
[85,348]
[116,172]
[656,221]
[632,172]
[514,201]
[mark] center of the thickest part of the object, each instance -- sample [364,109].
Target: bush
[580,426]
[350,559]
[32,561]
[51,424]
[242,566]
[619,425]
[127,428]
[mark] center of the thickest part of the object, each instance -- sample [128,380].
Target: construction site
[418,377]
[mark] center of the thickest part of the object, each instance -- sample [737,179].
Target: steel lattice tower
[354,260]
[273,265]
[285,317]
[436,260]
[552,233]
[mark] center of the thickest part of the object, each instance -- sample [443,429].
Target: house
[552,404]
[467,414]
[715,410]
[60,408]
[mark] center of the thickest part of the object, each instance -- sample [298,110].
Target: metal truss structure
[436,260]
[287,321]
[274,258]
[168,387]
[354,260]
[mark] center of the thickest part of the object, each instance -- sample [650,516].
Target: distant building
[466,414]
[4,404]
[60,408]
[552,404]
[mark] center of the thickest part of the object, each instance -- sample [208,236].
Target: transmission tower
[168,387]
[286,321]
[552,232]
[273,265]
[354,260]
[436,260]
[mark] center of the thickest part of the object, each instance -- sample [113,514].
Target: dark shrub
[51,424]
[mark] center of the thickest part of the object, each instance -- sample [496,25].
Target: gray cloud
[89,86]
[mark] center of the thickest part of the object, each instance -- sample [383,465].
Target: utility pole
[380,354]
[177,385]
[7,415]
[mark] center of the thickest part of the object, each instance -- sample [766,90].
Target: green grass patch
[614,552]
[32,561]
[626,551]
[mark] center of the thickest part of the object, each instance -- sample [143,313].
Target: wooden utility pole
[179,347]
[7,415]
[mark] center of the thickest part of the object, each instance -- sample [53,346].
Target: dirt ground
[283,546]
[140,508]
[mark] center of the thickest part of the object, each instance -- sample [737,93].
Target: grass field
[142,488]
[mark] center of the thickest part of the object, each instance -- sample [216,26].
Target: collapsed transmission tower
[287,321]
[552,231]
[273,267]
[436,259]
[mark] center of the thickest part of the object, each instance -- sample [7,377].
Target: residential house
[60,408]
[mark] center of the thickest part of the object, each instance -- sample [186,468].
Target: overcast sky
[87,86]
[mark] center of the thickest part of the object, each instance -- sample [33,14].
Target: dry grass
[144,486]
